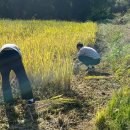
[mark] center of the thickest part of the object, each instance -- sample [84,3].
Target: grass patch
[116,116]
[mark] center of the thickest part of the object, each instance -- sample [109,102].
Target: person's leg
[86,60]
[5,69]
[7,93]
[96,61]
[89,62]
[25,87]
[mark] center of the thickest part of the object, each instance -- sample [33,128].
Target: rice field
[48,48]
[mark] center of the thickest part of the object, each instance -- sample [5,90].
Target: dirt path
[96,91]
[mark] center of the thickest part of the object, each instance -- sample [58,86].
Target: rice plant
[48,48]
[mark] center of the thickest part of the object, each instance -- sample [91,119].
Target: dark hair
[80,45]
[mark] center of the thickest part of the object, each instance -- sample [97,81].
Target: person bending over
[88,56]
[11,59]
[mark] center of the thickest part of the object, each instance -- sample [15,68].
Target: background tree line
[79,10]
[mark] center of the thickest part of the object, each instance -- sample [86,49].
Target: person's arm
[80,53]
[75,58]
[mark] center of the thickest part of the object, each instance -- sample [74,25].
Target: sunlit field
[48,48]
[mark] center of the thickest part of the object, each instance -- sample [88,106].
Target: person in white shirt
[88,56]
[11,59]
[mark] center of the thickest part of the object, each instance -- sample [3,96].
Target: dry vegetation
[47,48]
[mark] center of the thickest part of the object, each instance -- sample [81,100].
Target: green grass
[116,116]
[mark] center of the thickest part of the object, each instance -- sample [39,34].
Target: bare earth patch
[88,94]
[96,92]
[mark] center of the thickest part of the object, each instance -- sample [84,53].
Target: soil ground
[96,91]
[93,92]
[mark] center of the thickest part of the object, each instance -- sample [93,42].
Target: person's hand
[74,58]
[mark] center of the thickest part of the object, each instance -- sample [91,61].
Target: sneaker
[90,69]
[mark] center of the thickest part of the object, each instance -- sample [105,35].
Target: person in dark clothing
[11,59]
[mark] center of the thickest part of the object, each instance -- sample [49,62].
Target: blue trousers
[11,60]
[88,60]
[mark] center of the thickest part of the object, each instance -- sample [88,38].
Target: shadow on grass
[67,100]
[97,73]
[20,118]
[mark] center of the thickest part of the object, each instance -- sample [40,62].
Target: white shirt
[89,52]
[10,47]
